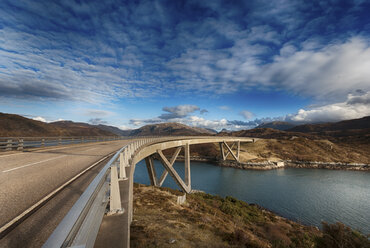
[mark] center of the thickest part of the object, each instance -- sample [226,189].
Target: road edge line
[5,229]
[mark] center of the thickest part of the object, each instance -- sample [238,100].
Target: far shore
[269,165]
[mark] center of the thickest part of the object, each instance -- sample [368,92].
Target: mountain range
[356,129]
[278,125]
[19,126]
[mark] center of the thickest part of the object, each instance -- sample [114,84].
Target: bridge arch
[146,151]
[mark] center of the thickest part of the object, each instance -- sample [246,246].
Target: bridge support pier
[168,165]
[229,150]
[151,171]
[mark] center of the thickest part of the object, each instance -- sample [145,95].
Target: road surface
[27,177]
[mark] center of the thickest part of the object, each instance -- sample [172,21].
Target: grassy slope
[302,149]
[18,126]
[345,141]
[211,221]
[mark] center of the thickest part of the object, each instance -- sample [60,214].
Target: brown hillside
[18,126]
[267,133]
[345,141]
[279,125]
[169,129]
[362,124]
[81,129]
[356,131]
[15,125]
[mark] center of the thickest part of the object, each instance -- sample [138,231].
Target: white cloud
[196,121]
[124,127]
[246,114]
[354,107]
[331,72]
[39,118]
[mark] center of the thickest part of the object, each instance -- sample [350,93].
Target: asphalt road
[27,177]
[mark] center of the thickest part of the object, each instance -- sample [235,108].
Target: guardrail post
[59,141]
[122,169]
[20,145]
[115,197]
[127,157]
[42,142]
[9,145]
[82,140]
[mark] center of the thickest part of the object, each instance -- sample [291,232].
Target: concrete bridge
[101,217]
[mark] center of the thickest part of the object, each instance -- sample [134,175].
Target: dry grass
[209,221]
[303,149]
[295,149]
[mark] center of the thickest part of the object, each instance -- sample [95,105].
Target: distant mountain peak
[278,125]
[170,128]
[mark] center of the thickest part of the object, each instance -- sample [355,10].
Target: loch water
[308,196]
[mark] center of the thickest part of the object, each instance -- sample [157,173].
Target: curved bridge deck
[86,224]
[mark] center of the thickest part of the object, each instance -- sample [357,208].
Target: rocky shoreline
[328,165]
[270,165]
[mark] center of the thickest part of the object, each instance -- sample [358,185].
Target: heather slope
[170,129]
[18,126]
[345,141]
[81,129]
[205,220]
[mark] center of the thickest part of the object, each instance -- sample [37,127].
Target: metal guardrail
[80,226]
[21,143]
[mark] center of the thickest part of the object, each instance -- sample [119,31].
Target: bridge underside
[185,184]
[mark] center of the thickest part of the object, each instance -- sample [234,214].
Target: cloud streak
[178,111]
[98,52]
[330,72]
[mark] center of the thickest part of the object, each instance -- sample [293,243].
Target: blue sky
[214,64]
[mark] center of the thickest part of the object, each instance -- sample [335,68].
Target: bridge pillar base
[229,150]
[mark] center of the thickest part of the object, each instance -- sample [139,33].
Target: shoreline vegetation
[205,220]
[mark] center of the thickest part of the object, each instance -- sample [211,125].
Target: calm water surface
[309,196]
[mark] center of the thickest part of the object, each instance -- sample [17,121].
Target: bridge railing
[21,143]
[80,226]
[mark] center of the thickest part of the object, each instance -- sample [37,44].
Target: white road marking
[39,162]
